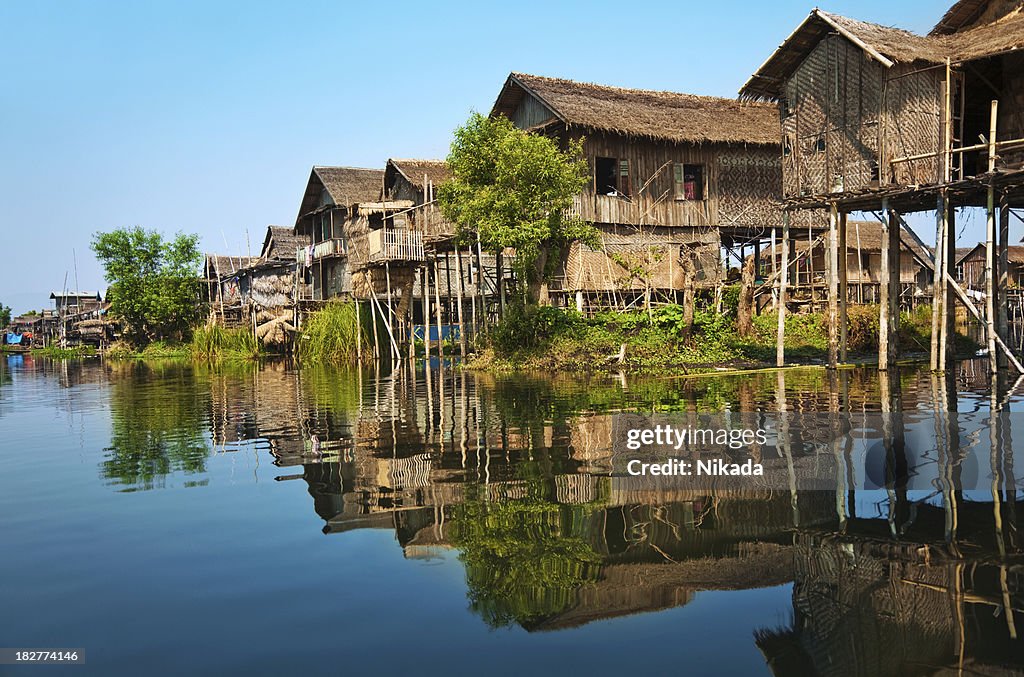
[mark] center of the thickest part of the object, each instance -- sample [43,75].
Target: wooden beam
[884,307]
[938,275]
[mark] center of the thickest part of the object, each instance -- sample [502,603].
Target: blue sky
[207,116]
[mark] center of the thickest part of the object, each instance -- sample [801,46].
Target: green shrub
[530,326]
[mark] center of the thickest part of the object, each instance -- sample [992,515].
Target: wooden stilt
[1001,279]
[437,312]
[889,289]
[990,247]
[947,348]
[833,286]
[425,302]
[938,282]
[844,287]
[359,332]
[458,292]
[391,313]
[783,279]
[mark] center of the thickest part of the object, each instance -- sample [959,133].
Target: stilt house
[674,177]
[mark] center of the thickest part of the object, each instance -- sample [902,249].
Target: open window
[688,182]
[611,176]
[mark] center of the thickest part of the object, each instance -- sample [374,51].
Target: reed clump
[214,342]
[332,334]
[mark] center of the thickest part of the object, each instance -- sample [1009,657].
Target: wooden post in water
[458,291]
[844,287]
[425,299]
[359,332]
[833,286]
[437,312]
[783,280]
[1001,278]
[990,247]
[889,288]
[938,280]
[946,348]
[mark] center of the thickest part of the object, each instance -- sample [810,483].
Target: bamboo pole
[437,311]
[782,281]
[425,302]
[459,293]
[359,332]
[373,320]
[990,246]
[844,287]
[938,277]
[1001,278]
[833,286]
[884,309]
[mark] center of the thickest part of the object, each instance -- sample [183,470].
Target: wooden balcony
[332,247]
[396,245]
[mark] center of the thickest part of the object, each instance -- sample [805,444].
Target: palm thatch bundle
[276,331]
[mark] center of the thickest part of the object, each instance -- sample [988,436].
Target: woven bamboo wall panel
[912,123]
[749,181]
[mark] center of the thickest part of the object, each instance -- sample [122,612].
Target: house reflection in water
[511,476]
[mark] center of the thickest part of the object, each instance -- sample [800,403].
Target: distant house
[673,176]
[282,243]
[863,263]
[74,302]
[220,278]
[972,267]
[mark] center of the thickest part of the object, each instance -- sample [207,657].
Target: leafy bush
[530,326]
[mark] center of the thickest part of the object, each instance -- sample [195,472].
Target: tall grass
[330,335]
[213,342]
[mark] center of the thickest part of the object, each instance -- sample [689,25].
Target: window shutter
[624,183]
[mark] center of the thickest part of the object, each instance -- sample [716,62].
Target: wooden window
[604,176]
[611,176]
[624,184]
[688,182]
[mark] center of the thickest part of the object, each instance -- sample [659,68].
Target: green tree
[154,283]
[5,315]
[514,189]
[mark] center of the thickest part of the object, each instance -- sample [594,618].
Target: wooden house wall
[841,98]
[740,183]
[913,122]
[973,267]
[1011,108]
[530,113]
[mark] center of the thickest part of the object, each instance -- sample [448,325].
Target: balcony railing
[333,247]
[396,245]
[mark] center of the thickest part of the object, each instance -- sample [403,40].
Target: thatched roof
[885,44]
[217,265]
[281,242]
[344,186]
[436,171]
[664,116]
[971,13]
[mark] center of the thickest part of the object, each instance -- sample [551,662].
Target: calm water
[174,519]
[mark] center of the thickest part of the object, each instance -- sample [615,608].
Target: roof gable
[281,242]
[413,171]
[345,186]
[664,116]
[886,45]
